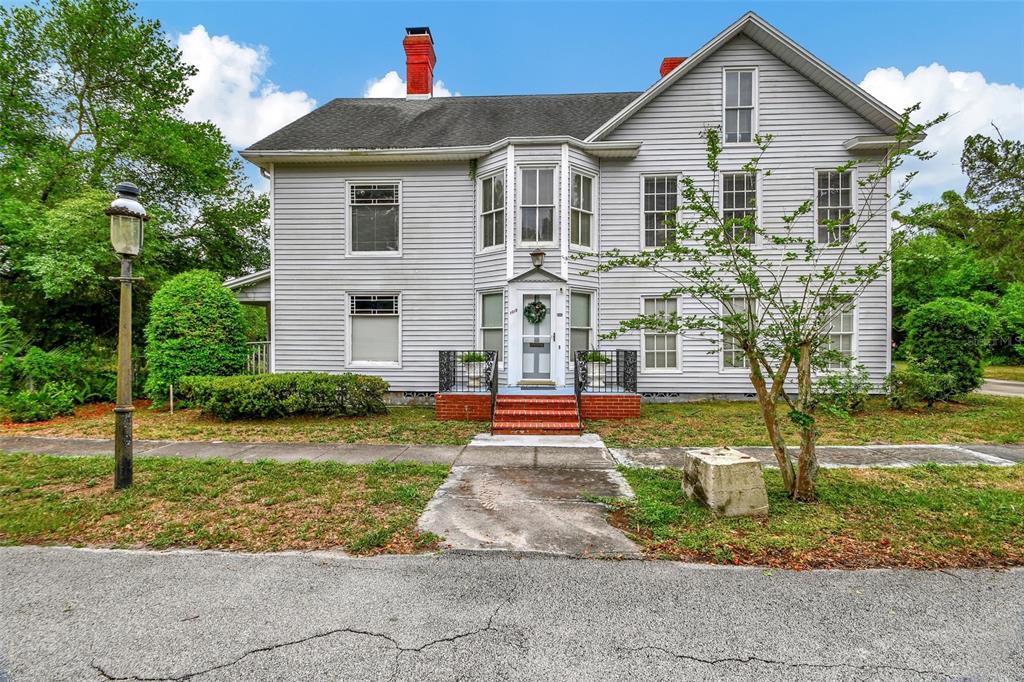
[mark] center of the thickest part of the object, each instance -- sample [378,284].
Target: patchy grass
[1005,372]
[213,504]
[413,425]
[978,419]
[921,517]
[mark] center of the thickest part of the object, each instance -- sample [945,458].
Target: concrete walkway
[505,451]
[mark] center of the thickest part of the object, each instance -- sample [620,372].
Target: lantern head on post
[538,258]
[126,218]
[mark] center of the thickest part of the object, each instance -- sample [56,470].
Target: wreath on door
[535,312]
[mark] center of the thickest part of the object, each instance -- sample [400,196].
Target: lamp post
[126,218]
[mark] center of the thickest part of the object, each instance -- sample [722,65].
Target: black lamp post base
[123,446]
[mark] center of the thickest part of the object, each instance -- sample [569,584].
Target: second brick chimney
[419,62]
[668,64]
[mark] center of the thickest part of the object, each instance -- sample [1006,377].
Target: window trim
[754,99]
[854,341]
[643,213]
[854,198]
[721,350]
[591,330]
[363,364]
[593,248]
[480,293]
[758,215]
[349,230]
[644,369]
[480,248]
[555,225]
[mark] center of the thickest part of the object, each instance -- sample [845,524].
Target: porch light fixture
[126,219]
[538,258]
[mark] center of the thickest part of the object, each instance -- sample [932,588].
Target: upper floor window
[492,210]
[374,216]
[374,329]
[835,205]
[840,338]
[733,356]
[582,211]
[739,200]
[537,202]
[661,197]
[740,88]
[661,351]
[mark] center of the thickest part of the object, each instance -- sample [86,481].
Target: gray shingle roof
[444,121]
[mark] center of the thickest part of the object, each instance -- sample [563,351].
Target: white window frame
[855,321]
[643,342]
[520,206]
[349,228]
[592,212]
[643,212]
[757,199]
[480,211]
[853,202]
[591,330]
[754,102]
[349,295]
[480,321]
[721,351]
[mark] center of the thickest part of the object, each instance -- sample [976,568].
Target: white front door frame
[516,290]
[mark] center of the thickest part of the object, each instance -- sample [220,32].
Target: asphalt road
[69,614]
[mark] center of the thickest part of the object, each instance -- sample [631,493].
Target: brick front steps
[533,408]
[536,415]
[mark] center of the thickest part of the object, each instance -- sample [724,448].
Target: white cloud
[392,85]
[230,89]
[973,104]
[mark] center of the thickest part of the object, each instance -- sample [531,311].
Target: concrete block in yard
[726,481]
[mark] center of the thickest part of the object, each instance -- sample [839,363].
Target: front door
[536,318]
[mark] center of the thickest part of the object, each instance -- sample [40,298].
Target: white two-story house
[403,228]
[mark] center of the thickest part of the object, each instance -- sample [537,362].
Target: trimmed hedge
[950,336]
[265,396]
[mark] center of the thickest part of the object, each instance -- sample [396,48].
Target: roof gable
[778,44]
[537,274]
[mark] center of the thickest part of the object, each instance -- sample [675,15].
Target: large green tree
[92,94]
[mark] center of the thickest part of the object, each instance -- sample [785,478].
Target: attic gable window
[740,114]
[374,217]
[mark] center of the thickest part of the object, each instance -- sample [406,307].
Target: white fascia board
[246,280]
[869,143]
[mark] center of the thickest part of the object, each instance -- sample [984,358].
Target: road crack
[399,649]
[787,664]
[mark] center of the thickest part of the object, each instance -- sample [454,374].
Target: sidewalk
[510,451]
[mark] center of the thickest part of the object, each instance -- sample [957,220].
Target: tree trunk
[807,466]
[771,422]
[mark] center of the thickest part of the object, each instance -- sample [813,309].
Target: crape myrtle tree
[774,291]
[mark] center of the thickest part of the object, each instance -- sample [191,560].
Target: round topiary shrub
[950,335]
[195,327]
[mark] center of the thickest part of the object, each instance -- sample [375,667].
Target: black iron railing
[468,371]
[605,371]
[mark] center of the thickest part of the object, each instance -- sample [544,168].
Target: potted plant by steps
[597,362]
[474,362]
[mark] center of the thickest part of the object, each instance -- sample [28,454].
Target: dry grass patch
[929,516]
[213,504]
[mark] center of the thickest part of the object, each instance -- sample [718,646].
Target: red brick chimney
[668,64]
[419,62]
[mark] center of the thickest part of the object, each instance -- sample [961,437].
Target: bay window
[580,325]
[492,322]
[537,201]
[492,210]
[581,211]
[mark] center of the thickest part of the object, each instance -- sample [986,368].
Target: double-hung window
[740,114]
[733,356]
[374,329]
[661,351]
[739,200]
[374,217]
[835,205]
[661,197]
[537,201]
[840,338]
[492,210]
[580,325]
[492,317]
[582,211]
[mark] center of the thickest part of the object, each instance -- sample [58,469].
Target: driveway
[98,615]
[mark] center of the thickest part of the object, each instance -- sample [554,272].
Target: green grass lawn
[1005,372]
[413,425]
[924,517]
[978,419]
[213,504]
